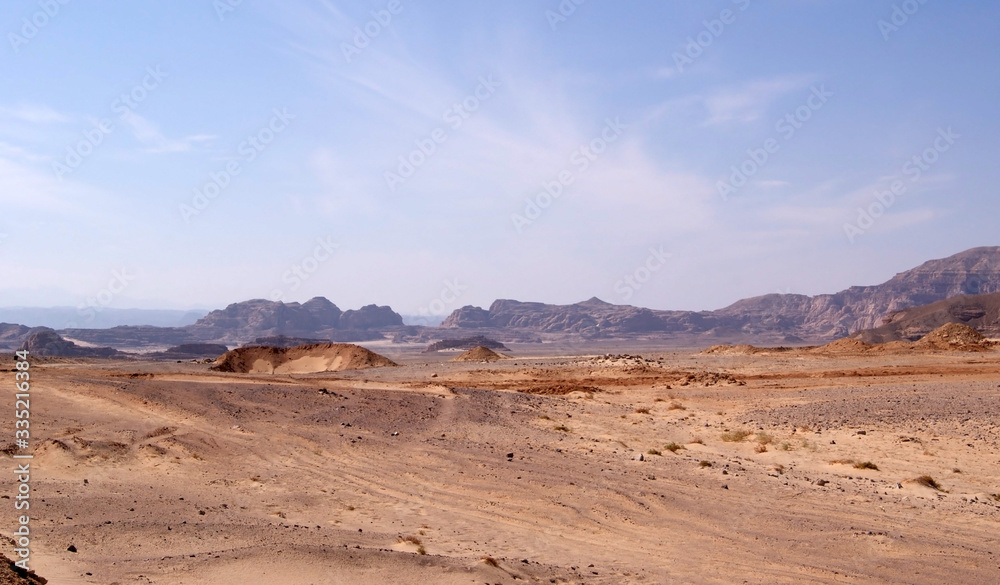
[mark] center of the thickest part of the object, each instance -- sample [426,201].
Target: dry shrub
[642,411]
[866,465]
[673,447]
[704,464]
[735,436]
[928,481]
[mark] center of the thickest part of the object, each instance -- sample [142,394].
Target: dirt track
[193,476]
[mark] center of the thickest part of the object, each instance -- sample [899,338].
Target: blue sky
[636,115]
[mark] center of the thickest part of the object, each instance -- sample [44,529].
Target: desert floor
[524,470]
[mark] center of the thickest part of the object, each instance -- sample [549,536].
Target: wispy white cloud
[149,134]
[33,113]
[738,104]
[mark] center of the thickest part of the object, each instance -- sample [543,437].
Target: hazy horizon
[197,154]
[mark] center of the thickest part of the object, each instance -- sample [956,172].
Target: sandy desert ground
[525,470]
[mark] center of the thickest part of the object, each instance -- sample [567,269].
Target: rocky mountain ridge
[239,323]
[775,317]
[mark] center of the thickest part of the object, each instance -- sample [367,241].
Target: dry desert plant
[928,481]
[866,465]
[673,447]
[735,436]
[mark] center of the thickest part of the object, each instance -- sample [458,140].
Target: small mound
[953,337]
[303,359]
[742,349]
[845,345]
[478,354]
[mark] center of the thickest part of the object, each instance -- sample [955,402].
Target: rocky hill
[786,318]
[12,336]
[981,312]
[49,343]
[239,323]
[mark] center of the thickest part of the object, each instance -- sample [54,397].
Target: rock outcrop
[981,312]
[467,343]
[781,317]
[241,322]
[48,343]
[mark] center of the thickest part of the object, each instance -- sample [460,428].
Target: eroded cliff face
[241,322]
[981,312]
[830,316]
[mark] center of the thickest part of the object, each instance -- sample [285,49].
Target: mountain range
[887,308]
[773,317]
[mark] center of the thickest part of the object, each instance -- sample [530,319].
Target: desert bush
[676,406]
[653,452]
[866,465]
[928,481]
[562,428]
[414,540]
[764,438]
[735,436]
[642,411]
[673,447]
[704,464]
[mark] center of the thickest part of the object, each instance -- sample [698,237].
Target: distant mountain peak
[594,302]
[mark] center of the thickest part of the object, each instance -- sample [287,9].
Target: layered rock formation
[786,318]
[239,323]
[48,343]
[981,312]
